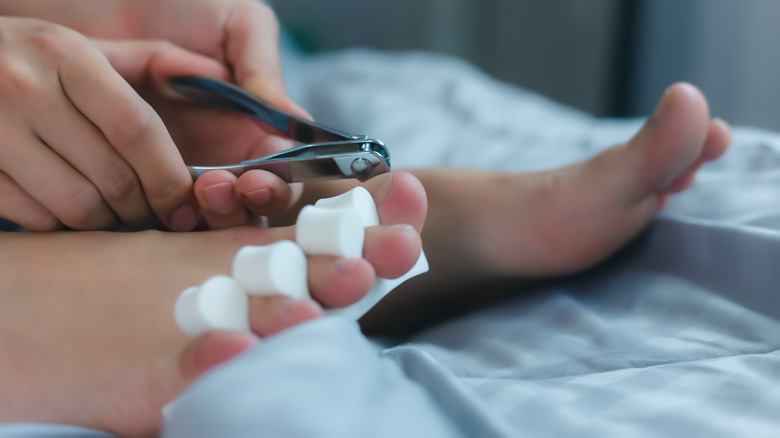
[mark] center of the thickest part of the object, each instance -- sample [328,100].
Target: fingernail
[260,197]
[380,193]
[185,218]
[220,197]
[346,266]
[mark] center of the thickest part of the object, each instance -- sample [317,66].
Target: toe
[218,200]
[671,142]
[265,193]
[392,250]
[270,315]
[718,138]
[339,282]
[400,199]
[210,350]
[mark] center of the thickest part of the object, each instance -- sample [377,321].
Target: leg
[87,333]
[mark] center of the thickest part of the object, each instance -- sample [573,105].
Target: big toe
[401,199]
[672,141]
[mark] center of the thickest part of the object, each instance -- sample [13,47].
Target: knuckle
[55,45]
[84,209]
[52,40]
[29,64]
[20,82]
[135,125]
[120,182]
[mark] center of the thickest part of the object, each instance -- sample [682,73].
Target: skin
[133,46]
[93,277]
[100,322]
[116,152]
[529,235]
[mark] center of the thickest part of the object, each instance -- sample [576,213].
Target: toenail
[401,228]
[346,266]
[220,197]
[260,196]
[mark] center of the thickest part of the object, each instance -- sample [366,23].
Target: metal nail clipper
[321,153]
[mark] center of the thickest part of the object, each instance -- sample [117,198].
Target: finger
[252,47]
[21,209]
[81,144]
[64,191]
[136,132]
[220,202]
[270,315]
[139,61]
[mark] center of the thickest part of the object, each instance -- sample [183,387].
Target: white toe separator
[218,304]
[330,231]
[358,198]
[276,269]
[333,226]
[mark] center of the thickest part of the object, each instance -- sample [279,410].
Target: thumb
[142,61]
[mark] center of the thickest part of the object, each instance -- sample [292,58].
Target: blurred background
[608,57]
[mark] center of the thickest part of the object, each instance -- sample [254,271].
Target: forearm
[103,19]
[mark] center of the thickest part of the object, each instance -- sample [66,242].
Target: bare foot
[88,317]
[488,225]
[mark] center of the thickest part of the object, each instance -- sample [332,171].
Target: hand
[240,35]
[244,36]
[81,148]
